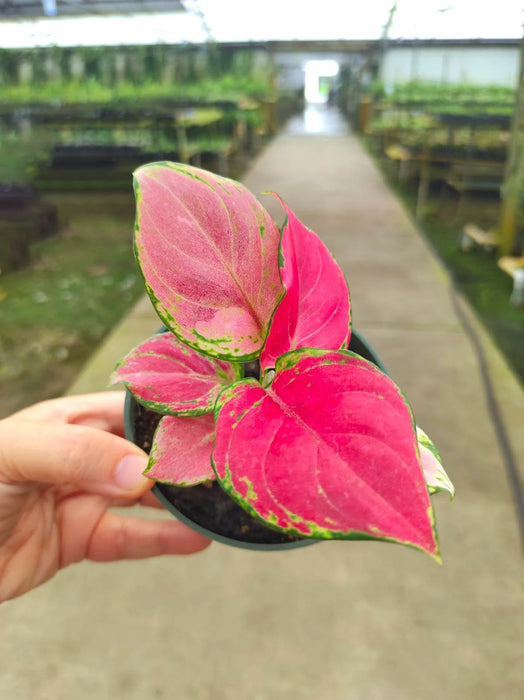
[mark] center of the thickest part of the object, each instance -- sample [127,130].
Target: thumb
[65,454]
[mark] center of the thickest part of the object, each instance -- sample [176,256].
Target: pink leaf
[315,311]
[208,251]
[332,451]
[169,377]
[181,452]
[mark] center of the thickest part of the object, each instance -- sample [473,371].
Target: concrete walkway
[335,621]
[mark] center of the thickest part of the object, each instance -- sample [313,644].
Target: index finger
[58,454]
[103,410]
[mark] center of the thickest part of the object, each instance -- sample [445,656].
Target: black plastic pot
[79,155]
[207,508]
[502,121]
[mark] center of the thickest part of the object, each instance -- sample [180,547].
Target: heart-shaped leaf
[434,474]
[181,451]
[315,311]
[171,378]
[208,251]
[332,451]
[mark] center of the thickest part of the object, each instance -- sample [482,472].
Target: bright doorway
[320,80]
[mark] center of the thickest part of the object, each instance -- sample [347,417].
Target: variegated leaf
[315,311]
[434,474]
[332,452]
[171,378]
[208,251]
[181,451]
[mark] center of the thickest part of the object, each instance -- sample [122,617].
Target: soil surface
[206,504]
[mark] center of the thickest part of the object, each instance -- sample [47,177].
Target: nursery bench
[514,267]
[475,184]
[476,176]
[214,154]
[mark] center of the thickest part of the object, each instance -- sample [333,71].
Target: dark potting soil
[206,504]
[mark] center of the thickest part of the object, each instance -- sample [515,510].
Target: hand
[63,465]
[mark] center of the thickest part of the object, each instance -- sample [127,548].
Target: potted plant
[255,398]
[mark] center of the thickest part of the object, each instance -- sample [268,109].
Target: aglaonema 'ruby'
[327,447]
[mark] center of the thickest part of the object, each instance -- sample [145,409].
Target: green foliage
[452,95]
[20,155]
[376,89]
[402,120]
[146,72]
[91,90]
[421,114]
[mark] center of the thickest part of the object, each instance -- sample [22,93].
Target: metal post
[513,187]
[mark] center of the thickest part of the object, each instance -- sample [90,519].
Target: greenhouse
[301,220]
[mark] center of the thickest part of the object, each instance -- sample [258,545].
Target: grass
[487,288]
[55,312]
[475,273]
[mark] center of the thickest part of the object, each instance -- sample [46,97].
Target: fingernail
[128,474]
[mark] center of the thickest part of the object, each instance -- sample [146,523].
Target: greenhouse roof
[59,8]
[107,22]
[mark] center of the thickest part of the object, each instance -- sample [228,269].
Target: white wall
[480,65]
